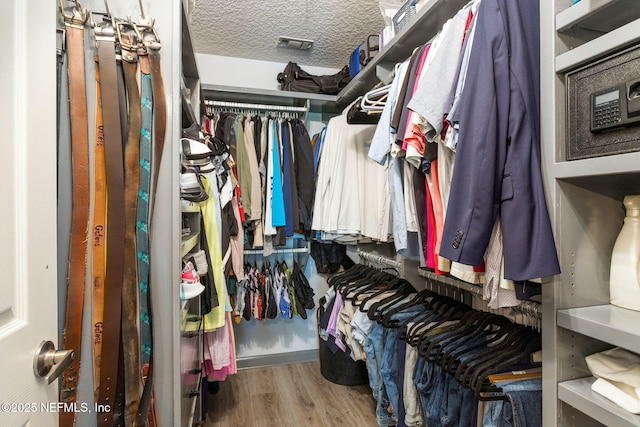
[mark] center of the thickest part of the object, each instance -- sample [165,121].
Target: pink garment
[436,199]
[411,134]
[332,326]
[414,138]
[225,339]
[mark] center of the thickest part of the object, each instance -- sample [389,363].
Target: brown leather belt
[79,213]
[159,118]
[115,219]
[98,249]
[130,341]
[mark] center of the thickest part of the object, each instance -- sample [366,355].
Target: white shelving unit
[191,332]
[608,323]
[423,27]
[578,394]
[599,47]
[585,201]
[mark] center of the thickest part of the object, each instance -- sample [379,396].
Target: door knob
[49,363]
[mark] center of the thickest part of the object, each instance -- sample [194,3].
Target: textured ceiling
[250,29]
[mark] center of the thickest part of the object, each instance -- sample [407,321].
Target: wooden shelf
[607,323]
[422,28]
[578,394]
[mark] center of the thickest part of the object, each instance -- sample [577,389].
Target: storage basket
[339,367]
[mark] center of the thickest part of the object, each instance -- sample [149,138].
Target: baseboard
[278,359]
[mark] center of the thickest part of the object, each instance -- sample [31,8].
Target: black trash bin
[339,367]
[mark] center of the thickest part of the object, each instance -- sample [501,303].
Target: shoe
[190,285]
[194,150]
[189,182]
[206,168]
[189,272]
[191,188]
[192,131]
[190,290]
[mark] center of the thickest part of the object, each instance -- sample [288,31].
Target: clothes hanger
[469,332]
[341,279]
[430,342]
[451,358]
[334,278]
[385,283]
[515,340]
[369,279]
[375,310]
[419,298]
[447,310]
[479,378]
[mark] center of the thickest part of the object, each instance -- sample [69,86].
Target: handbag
[294,78]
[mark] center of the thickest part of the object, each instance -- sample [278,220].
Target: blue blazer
[497,165]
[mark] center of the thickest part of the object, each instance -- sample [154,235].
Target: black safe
[603,107]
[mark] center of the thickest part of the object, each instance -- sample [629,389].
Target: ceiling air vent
[294,43]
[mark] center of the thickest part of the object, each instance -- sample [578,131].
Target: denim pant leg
[493,414]
[421,378]
[430,391]
[525,409]
[389,363]
[372,365]
[374,349]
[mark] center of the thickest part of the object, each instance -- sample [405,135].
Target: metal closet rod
[277,251]
[450,281]
[379,259]
[266,107]
[530,308]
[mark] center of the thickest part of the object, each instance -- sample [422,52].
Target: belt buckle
[79,14]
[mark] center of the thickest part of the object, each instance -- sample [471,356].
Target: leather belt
[80,209]
[98,249]
[158,138]
[159,116]
[115,220]
[132,374]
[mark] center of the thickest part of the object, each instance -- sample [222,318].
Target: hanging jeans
[374,349]
[495,412]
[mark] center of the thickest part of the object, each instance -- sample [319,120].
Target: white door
[28,294]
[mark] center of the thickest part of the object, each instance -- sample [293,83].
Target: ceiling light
[294,43]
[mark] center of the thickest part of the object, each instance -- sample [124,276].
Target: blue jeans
[524,409]
[493,412]
[389,363]
[445,402]
[373,348]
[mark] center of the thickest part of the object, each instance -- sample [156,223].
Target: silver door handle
[48,363]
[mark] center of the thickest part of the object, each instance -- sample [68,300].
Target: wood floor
[288,396]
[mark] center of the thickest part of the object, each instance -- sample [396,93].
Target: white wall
[240,72]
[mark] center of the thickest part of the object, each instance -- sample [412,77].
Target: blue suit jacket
[497,165]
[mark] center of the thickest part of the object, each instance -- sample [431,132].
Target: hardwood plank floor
[288,396]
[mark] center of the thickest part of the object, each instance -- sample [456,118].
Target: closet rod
[266,107]
[529,308]
[450,281]
[379,259]
[277,251]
